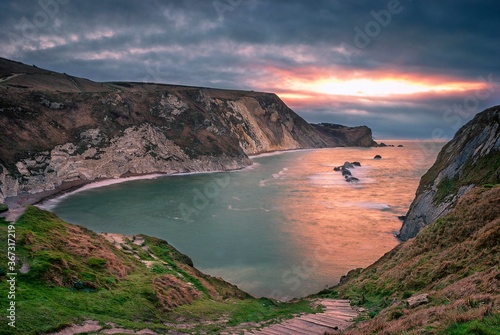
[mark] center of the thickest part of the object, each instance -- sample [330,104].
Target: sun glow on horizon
[304,83]
[383,87]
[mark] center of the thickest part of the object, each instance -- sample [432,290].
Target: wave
[230,207]
[279,152]
[50,204]
[276,176]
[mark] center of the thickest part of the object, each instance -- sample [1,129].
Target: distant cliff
[341,136]
[59,131]
[471,158]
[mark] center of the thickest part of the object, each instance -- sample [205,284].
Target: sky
[407,69]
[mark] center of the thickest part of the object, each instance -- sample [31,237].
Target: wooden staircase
[338,316]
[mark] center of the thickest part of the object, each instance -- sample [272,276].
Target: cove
[286,227]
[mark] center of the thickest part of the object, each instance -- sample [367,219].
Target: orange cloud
[333,87]
[307,83]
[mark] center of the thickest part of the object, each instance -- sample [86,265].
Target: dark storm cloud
[234,43]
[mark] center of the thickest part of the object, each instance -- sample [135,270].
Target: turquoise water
[286,227]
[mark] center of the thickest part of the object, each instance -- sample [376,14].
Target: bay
[286,227]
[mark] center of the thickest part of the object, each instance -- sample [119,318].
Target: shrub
[96,262]
[3,208]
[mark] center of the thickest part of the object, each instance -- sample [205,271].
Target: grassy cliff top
[454,260]
[68,274]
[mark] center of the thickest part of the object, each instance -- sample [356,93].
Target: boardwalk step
[271,331]
[321,322]
[297,329]
[282,329]
[333,320]
[337,316]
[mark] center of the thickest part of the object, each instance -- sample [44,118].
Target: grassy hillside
[68,274]
[455,261]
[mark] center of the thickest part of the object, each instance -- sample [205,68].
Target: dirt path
[10,77]
[13,214]
[338,316]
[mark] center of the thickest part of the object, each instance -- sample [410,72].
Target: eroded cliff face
[342,136]
[471,158]
[57,130]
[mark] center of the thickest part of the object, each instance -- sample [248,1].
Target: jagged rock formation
[471,158]
[59,131]
[341,136]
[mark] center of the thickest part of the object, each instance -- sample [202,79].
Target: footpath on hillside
[337,316]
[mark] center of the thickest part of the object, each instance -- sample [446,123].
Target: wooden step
[336,302]
[271,331]
[282,329]
[340,315]
[331,318]
[337,316]
[266,331]
[321,322]
[297,329]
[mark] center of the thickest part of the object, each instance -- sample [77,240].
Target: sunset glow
[329,61]
[359,84]
[385,87]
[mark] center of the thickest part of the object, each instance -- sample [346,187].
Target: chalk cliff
[59,131]
[471,158]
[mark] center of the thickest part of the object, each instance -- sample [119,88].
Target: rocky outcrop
[58,131]
[341,136]
[471,158]
[417,300]
[138,150]
[346,172]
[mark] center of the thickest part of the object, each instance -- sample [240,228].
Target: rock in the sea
[346,172]
[337,168]
[351,179]
[400,146]
[348,165]
[377,157]
[417,300]
[402,217]
[382,144]
[356,163]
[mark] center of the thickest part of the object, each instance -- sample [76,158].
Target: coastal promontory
[58,131]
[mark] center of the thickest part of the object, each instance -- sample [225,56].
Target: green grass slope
[454,260]
[67,274]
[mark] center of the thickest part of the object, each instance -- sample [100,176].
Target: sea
[285,227]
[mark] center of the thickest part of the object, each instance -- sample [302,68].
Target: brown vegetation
[454,260]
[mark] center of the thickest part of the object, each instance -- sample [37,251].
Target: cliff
[342,136]
[59,131]
[471,158]
[445,279]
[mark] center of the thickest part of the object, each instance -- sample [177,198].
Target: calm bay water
[286,227]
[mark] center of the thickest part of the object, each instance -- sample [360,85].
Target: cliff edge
[58,131]
[471,158]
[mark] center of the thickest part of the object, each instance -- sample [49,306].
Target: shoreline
[19,202]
